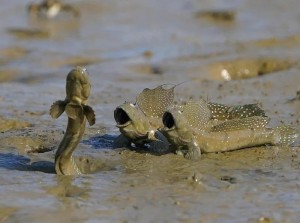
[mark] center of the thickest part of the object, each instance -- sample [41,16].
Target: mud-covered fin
[57,108]
[196,113]
[89,114]
[161,146]
[193,152]
[74,111]
[154,102]
[286,135]
[244,111]
[255,122]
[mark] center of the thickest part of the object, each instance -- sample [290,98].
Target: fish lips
[121,117]
[169,122]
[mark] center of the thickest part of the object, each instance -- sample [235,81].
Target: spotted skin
[224,112]
[184,135]
[254,122]
[196,119]
[153,102]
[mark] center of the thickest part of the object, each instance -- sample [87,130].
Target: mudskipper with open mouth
[191,131]
[139,122]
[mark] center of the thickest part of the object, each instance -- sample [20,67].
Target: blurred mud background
[232,52]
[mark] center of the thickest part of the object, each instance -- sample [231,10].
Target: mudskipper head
[131,121]
[181,122]
[142,119]
[78,86]
[175,126]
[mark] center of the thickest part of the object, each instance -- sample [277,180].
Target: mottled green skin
[75,105]
[51,8]
[208,137]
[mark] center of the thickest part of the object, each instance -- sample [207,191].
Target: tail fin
[286,135]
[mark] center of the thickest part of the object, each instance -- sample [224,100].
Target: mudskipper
[138,122]
[192,130]
[75,105]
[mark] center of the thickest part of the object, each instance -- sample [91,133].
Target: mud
[217,15]
[247,68]
[121,42]
[28,33]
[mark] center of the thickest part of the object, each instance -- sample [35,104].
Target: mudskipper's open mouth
[121,118]
[168,121]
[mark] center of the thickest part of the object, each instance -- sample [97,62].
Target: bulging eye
[121,116]
[168,120]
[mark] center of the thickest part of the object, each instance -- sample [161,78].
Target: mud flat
[128,46]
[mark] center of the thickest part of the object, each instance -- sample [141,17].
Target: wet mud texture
[128,46]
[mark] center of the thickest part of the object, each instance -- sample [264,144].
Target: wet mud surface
[128,46]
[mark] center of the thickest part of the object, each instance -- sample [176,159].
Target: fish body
[190,128]
[75,105]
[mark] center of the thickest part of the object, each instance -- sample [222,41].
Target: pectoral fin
[74,111]
[193,152]
[89,114]
[57,108]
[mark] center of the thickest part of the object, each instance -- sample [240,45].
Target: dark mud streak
[100,142]
[12,161]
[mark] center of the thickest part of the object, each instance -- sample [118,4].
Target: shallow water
[127,46]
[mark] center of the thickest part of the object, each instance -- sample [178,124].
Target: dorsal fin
[196,113]
[218,111]
[154,102]
[255,122]
[225,112]
[244,111]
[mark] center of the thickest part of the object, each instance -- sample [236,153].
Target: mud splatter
[22,33]
[217,15]
[8,124]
